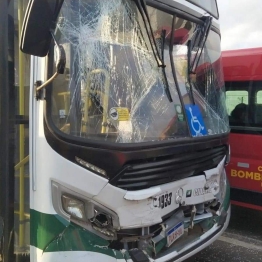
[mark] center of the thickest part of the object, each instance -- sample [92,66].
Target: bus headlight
[84,211]
[74,207]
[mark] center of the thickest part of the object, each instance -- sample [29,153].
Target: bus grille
[160,170]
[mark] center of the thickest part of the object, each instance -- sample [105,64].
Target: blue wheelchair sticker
[195,119]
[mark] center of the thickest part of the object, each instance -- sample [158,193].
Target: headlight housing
[74,207]
[84,212]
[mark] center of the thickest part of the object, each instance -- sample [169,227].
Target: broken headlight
[74,207]
[84,212]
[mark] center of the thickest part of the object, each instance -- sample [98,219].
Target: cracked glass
[113,89]
[207,90]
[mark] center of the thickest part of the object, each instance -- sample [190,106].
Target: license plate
[175,233]
[163,200]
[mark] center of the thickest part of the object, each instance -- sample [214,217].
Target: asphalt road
[242,241]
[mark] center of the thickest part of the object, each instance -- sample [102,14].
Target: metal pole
[21,132]
[7,97]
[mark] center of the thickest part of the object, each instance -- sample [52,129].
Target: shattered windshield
[113,88]
[203,88]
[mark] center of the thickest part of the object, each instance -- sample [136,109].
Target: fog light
[74,207]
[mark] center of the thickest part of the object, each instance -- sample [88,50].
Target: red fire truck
[243,80]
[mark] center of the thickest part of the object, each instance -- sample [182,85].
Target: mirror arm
[61,55]
[47,82]
[39,91]
[60,66]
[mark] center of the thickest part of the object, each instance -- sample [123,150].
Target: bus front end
[129,130]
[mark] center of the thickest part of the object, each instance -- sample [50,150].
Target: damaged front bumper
[199,243]
[170,222]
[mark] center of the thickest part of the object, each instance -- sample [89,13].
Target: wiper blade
[189,72]
[199,40]
[141,5]
[167,89]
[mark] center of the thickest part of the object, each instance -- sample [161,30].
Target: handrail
[22,163]
[21,129]
[27,215]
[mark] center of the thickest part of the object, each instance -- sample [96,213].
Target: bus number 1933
[163,200]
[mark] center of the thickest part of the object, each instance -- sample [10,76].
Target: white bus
[128,131]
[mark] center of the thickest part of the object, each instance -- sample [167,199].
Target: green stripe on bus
[50,233]
[44,228]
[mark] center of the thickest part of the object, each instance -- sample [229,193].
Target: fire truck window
[244,106]
[234,98]
[258,108]
[259,97]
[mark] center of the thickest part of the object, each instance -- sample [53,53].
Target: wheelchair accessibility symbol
[196,123]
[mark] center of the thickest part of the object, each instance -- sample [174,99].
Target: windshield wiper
[199,40]
[141,5]
[189,71]
[167,90]
[197,43]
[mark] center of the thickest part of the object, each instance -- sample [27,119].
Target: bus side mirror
[40,18]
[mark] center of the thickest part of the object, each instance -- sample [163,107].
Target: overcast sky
[240,23]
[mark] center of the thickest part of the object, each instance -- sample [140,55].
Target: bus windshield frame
[145,114]
[209,5]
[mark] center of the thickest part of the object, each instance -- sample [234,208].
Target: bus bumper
[204,241]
